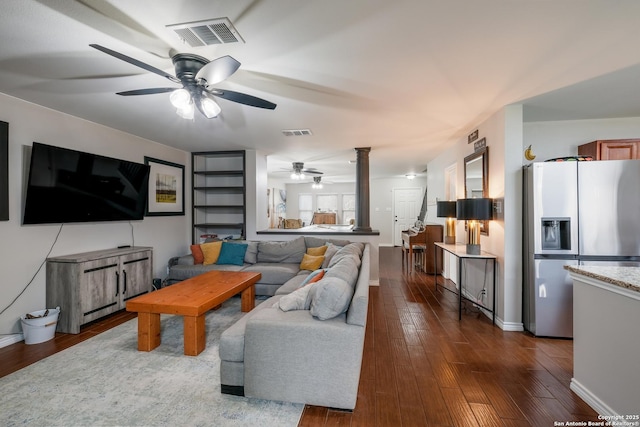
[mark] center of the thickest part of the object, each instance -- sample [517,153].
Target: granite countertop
[625,277]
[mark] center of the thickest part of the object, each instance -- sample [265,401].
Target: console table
[460,252]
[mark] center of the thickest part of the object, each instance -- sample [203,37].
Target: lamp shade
[446,209]
[478,209]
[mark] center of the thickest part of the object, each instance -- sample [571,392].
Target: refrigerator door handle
[542,291]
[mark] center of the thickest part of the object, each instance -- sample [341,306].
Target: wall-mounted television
[67,186]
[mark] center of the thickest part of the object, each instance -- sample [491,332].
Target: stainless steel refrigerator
[574,213]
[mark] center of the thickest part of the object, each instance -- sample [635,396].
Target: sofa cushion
[211,251]
[331,251]
[330,297]
[274,273]
[350,249]
[292,284]
[232,253]
[196,252]
[310,262]
[231,347]
[346,269]
[314,242]
[286,252]
[182,271]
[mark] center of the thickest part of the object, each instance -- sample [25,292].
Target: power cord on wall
[34,276]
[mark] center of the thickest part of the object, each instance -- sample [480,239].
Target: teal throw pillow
[311,275]
[232,253]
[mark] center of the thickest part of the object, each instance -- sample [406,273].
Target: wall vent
[297,132]
[205,33]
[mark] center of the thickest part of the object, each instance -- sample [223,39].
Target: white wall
[381,204]
[23,249]
[507,137]
[496,130]
[562,138]
[256,193]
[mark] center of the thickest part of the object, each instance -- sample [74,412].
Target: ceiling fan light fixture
[210,108]
[186,112]
[317,185]
[180,98]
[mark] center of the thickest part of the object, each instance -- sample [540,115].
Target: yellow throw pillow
[211,251]
[319,251]
[310,262]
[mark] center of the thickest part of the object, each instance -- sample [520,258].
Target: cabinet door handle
[124,288]
[117,283]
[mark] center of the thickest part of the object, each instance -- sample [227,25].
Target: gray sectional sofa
[303,344]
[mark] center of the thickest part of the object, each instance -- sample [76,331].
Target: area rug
[106,381]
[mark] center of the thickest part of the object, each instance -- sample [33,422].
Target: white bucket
[40,329]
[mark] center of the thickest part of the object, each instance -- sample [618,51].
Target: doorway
[406,207]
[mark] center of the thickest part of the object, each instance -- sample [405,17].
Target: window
[348,208]
[327,202]
[305,208]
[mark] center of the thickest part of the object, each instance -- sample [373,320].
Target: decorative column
[362,190]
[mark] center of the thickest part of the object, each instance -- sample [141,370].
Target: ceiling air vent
[297,132]
[209,32]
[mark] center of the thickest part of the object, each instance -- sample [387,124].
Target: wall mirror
[476,179]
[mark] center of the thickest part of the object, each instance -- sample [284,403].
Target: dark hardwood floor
[421,366]
[424,367]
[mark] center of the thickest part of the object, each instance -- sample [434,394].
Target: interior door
[406,207]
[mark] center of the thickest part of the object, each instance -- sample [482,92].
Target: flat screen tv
[72,186]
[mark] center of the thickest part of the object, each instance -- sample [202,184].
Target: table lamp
[474,211]
[448,210]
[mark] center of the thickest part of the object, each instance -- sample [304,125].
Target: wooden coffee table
[191,298]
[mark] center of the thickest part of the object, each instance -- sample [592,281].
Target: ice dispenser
[556,233]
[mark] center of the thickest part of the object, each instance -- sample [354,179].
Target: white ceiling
[406,78]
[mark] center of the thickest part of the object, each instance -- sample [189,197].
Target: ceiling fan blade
[218,70]
[150,91]
[243,98]
[312,172]
[135,62]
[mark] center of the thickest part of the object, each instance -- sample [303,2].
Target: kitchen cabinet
[90,285]
[611,149]
[219,194]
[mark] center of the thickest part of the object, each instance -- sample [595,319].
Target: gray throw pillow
[296,300]
[285,252]
[347,269]
[330,297]
[329,253]
[251,255]
[352,249]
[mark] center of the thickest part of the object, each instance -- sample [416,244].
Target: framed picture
[166,188]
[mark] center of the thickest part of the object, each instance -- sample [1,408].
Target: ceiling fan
[197,76]
[298,171]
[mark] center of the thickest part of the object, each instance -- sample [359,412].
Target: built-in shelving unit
[219,194]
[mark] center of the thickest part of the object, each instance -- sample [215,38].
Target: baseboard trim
[7,340]
[591,399]
[236,390]
[509,326]
[374,282]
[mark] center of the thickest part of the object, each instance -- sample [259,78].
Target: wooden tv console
[91,285]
